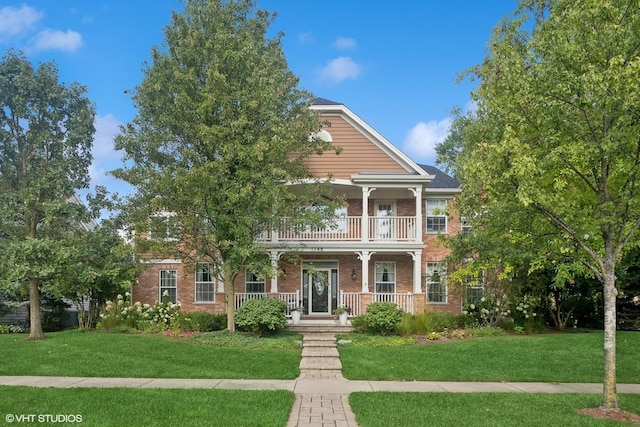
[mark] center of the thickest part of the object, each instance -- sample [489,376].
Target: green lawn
[383,409]
[149,407]
[568,357]
[94,354]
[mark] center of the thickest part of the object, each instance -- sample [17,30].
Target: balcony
[392,229]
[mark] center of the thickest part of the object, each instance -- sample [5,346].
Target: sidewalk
[322,393]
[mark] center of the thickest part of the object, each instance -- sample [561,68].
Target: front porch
[355,302]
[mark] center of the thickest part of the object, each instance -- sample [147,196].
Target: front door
[319,287]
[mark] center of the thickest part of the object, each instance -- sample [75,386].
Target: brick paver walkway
[321,362]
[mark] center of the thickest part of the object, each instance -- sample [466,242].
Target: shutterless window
[436,215]
[436,282]
[474,288]
[385,277]
[205,286]
[169,285]
[254,284]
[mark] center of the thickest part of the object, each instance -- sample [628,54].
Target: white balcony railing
[291,298]
[348,229]
[403,301]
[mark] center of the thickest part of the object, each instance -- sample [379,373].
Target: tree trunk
[229,294]
[610,394]
[35,323]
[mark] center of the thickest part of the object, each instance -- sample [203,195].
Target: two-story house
[383,246]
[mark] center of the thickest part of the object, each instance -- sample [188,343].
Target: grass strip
[383,409]
[568,357]
[149,407]
[95,354]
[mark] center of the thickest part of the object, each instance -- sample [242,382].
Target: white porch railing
[347,229]
[352,301]
[403,301]
[291,298]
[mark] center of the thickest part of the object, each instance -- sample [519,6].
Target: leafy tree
[99,266]
[555,141]
[221,129]
[46,133]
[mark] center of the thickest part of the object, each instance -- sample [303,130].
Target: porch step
[320,328]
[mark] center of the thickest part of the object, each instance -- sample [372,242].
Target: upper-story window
[163,226]
[436,215]
[465,226]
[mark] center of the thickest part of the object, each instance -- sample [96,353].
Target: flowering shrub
[524,313]
[121,313]
[489,311]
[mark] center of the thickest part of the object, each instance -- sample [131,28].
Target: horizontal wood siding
[358,154]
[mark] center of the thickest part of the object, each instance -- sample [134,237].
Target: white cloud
[107,127]
[17,21]
[422,139]
[306,38]
[68,41]
[344,43]
[105,156]
[339,69]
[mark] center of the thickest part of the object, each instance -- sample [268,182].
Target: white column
[417,271]
[275,256]
[417,192]
[366,192]
[365,256]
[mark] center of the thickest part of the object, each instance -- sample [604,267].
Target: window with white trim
[385,277]
[436,282]
[163,226]
[436,215]
[205,285]
[168,286]
[254,284]
[465,226]
[474,288]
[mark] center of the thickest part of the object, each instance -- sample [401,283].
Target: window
[436,215]
[474,288]
[436,282]
[205,286]
[168,285]
[385,278]
[466,227]
[253,284]
[163,227]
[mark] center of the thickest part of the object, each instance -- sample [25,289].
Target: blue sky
[393,63]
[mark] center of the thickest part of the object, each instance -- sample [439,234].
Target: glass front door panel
[319,292]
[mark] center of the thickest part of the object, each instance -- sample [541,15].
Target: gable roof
[441,180]
[329,108]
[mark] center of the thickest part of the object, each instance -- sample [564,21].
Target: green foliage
[433,322]
[382,317]
[46,134]
[4,329]
[219,110]
[261,315]
[54,312]
[374,341]
[225,338]
[201,321]
[121,315]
